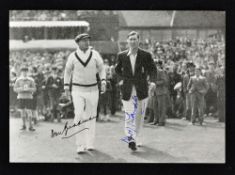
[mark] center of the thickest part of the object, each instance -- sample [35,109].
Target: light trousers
[85,107]
[134,115]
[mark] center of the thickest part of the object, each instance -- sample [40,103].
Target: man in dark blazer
[133,67]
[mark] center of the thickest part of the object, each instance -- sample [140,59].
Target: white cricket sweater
[82,68]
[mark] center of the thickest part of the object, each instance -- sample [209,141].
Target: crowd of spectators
[43,60]
[175,56]
[178,58]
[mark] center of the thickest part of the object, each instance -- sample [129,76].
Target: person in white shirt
[81,69]
[133,67]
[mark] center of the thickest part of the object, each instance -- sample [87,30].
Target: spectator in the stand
[105,97]
[220,82]
[149,114]
[34,75]
[187,96]
[179,102]
[174,78]
[39,83]
[198,87]
[160,96]
[54,86]
[113,81]
[45,97]
[211,95]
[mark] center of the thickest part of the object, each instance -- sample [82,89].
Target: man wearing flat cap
[81,67]
[133,67]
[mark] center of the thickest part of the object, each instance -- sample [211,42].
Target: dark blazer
[144,66]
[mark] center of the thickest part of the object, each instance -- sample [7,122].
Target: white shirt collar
[129,52]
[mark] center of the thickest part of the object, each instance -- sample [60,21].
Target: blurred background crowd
[177,51]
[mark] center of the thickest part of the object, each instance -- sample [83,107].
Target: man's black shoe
[132,146]
[31,129]
[23,127]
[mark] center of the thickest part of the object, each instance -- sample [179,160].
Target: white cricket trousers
[85,106]
[134,116]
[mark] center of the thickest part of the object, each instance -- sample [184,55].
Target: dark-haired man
[133,67]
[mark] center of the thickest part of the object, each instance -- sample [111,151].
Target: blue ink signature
[132,115]
[130,132]
[131,120]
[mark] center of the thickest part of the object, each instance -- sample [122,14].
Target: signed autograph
[66,129]
[130,118]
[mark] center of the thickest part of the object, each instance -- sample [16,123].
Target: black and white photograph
[117,86]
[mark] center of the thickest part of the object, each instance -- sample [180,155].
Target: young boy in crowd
[25,87]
